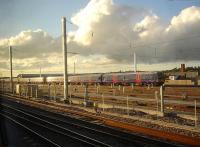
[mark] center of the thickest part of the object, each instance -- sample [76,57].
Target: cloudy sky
[105,33]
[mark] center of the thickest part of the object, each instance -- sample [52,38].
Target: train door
[138,79]
[114,79]
[100,79]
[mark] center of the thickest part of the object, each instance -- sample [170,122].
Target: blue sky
[163,8]
[107,51]
[18,15]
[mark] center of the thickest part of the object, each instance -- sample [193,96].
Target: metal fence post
[161,100]
[3,87]
[127,104]
[97,91]
[132,86]
[54,92]
[2,84]
[49,90]
[123,89]
[195,112]
[26,91]
[148,86]
[20,89]
[157,103]
[114,92]
[102,102]
[36,91]
[86,93]
[31,90]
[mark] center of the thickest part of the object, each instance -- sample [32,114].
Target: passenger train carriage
[122,78]
[138,78]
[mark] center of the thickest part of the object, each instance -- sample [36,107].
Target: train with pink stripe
[118,78]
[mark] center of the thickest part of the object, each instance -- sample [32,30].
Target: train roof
[84,74]
[4,77]
[38,75]
[126,73]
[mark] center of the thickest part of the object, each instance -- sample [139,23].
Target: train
[122,78]
[119,78]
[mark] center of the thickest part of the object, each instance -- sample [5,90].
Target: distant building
[182,75]
[182,68]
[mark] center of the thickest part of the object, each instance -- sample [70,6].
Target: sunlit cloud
[106,36]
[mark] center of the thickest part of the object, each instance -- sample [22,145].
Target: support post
[11,70]
[135,62]
[148,86]
[119,87]
[127,105]
[36,91]
[114,92]
[161,100]
[26,91]
[132,86]
[157,103]
[70,98]
[123,89]
[20,89]
[2,89]
[64,45]
[54,91]
[102,102]
[195,112]
[97,89]
[3,86]
[40,72]
[86,93]
[49,91]
[74,67]
[31,86]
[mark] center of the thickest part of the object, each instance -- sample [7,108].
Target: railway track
[21,135]
[66,131]
[61,136]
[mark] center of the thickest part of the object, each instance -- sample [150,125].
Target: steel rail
[108,121]
[79,137]
[87,128]
[30,130]
[138,137]
[24,120]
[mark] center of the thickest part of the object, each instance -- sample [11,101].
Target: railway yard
[104,115]
[119,74]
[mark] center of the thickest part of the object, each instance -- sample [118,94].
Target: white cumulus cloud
[107,34]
